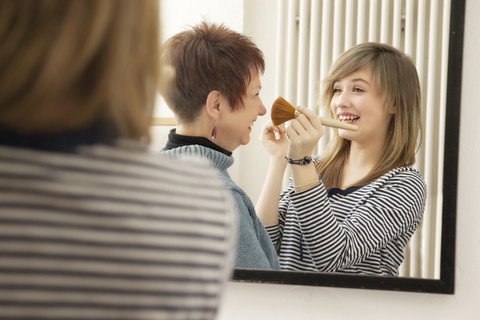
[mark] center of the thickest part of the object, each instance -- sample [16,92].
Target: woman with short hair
[215,97]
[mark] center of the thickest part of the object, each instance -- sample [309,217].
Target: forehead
[254,78]
[361,74]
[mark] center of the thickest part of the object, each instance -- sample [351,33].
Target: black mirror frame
[446,282]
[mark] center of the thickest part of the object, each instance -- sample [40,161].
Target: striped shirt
[111,233]
[363,231]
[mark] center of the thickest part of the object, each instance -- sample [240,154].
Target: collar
[177,140]
[344,192]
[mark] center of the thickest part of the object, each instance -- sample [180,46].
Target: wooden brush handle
[329,122]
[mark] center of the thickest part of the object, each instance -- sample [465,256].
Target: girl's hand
[276,148]
[304,133]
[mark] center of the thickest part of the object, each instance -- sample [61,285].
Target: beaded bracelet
[302,162]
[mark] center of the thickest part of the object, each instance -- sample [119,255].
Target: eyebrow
[353,80]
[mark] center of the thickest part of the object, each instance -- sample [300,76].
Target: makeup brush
[283,111]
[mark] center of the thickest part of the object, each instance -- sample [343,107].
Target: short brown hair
[208,57]
[95,60]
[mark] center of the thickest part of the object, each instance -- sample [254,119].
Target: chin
[345,134]
[246,140]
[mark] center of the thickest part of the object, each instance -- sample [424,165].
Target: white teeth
[347,118]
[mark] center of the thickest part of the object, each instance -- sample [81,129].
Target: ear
[393,110]
[213,103]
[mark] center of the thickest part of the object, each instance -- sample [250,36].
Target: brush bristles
[282,111]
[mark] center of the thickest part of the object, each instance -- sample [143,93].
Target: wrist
[302,162]
[279,163]
[307,185]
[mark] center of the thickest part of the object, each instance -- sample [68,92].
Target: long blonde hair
[67,64]
[396,79]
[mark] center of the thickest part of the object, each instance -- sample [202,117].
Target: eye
[357,89]
[336,90]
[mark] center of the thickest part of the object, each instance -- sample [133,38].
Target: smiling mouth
[348,118]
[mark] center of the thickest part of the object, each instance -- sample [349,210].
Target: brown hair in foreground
[67,64]
[208,57]
[396,79]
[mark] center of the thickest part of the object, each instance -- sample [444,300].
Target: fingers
[307,121]
[281,128]
[303,133]
[270,128]
[282,131]
[309,118]
[274,141]
[269,131]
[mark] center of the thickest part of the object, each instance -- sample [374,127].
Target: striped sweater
[363,231]
[111,233]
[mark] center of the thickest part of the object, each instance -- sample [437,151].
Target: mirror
[447,189]
[445,142]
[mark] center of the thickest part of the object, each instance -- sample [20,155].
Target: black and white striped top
[363,231]
[111,233]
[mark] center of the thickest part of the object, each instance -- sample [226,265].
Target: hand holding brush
[283,111]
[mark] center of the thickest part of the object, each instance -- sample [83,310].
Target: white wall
[252,158]
[261,301]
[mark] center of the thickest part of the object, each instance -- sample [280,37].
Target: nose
[262,111]
[341,99]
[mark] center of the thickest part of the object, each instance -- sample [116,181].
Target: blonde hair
[68,64]
[396,79]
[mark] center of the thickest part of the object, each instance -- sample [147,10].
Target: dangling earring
[214,131]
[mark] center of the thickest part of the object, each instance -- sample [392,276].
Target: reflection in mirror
[312,34]
[431,32]
[322,31]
